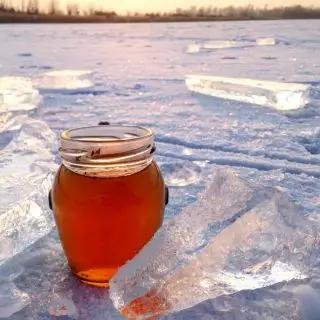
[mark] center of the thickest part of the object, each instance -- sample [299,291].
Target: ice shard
[229,44]
[17,94]
[63,81]
[214,45]
[238,236]
[279,95]
[26,171]
[266,41]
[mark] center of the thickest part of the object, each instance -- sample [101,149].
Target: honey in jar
[108,198]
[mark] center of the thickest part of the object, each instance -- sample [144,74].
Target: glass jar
[108,198]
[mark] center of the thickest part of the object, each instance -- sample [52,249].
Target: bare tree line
[53,8]
[72,9]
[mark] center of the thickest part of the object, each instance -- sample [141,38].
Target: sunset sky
[167,5]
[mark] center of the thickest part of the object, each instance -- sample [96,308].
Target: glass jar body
[105,221]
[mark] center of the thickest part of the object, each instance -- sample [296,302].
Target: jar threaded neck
[107,150]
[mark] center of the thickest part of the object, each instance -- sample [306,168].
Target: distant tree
[90,10]
[53,7]
[193,10]
[4,5]
[23,6]
[73,9]
[179,11]
[230,11]
[201,12]
[210,10]
[33,7]
[103,13]
[192,13]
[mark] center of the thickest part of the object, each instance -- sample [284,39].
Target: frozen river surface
[236,111]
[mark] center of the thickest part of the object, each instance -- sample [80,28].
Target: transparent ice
[65,80]
[229,44]
[281,96]
[266,42]
[26,168]
[17,93]
[219,246]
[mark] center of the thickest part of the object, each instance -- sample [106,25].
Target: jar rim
[67,135]
[107,148]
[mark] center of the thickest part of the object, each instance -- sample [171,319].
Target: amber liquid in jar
[105,221]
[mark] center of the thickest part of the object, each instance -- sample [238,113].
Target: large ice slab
[63,81]
[26,171]
[236,237]
[17,93]
[279,95]
[229,44]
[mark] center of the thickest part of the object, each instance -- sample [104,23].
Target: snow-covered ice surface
[249,245]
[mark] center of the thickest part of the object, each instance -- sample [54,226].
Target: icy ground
[235,108]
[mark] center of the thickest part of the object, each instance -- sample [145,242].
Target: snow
[241,159]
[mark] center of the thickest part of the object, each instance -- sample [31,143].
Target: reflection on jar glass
[108,198]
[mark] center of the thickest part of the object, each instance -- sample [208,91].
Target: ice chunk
[63,80]
[62,305]
[26,172]
[197,47]
[17,93]
[228,44]
[12,299]
[193,48]
[10,122]
[278,95]
[237,237]
[181,174]
[266,42]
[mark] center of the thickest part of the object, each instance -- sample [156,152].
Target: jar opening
[107,133]
[106,148]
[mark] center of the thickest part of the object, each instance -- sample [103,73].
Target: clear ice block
[17,93]
[279,95]
[236,237]
[26,172]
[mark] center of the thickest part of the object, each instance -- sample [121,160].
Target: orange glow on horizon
[123,6]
